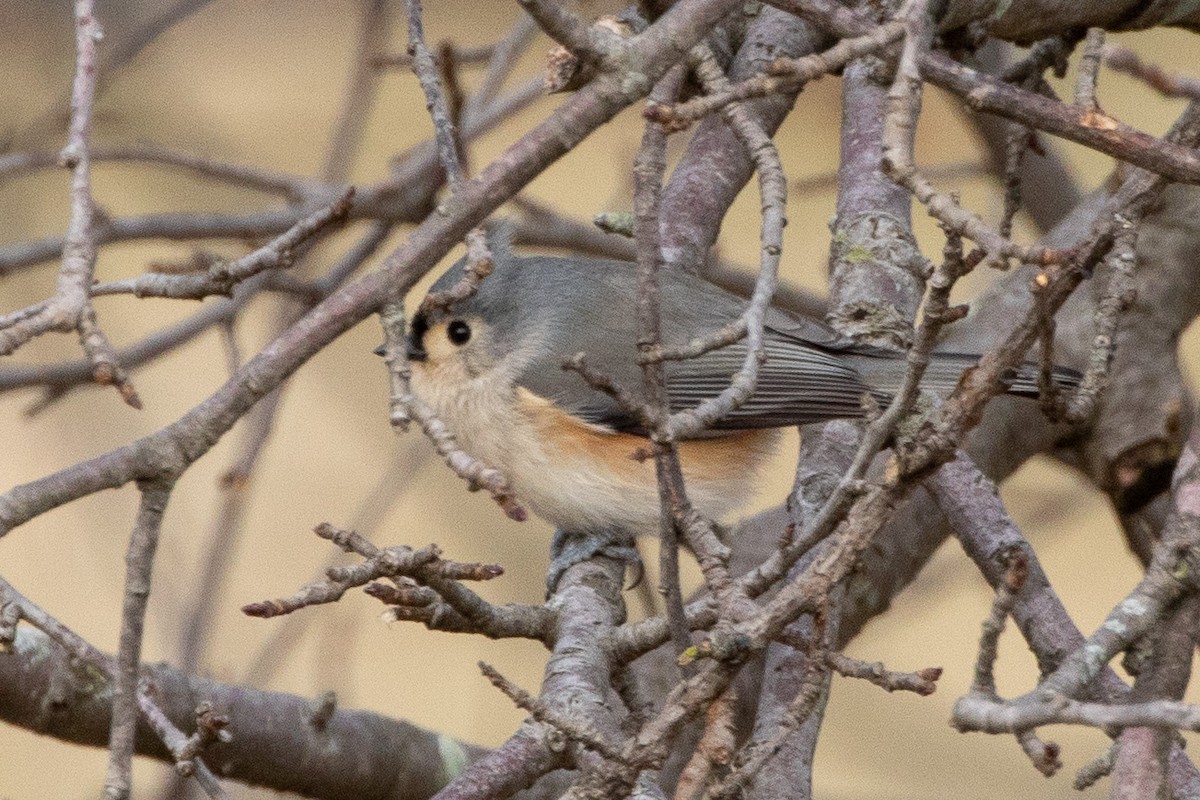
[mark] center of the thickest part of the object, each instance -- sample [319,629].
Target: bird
[492,368]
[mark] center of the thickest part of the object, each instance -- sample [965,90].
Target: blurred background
[260,83]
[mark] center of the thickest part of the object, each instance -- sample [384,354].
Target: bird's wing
[797,384]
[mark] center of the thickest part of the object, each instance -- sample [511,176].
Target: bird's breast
[584,477]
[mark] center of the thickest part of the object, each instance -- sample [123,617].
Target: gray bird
[492,368]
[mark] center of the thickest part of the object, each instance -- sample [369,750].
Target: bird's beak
[413,352]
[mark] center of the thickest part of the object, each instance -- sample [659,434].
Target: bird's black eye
[459,332]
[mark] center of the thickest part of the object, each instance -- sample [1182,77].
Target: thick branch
[43,690]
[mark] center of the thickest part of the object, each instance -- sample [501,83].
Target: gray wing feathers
[797,385]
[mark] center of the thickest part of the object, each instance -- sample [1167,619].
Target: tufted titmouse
[492,368]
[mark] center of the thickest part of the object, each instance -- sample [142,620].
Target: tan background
[260,83]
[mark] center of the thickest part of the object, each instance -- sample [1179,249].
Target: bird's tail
[945,370]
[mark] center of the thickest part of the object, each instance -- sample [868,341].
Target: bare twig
[648,169]
[542,712]
[425,566]
[904,99]
[139,564]
[435,100]
[1017,143]
[451,154]
[1098,768]
[1118,295]
[466,56]
[291,187]
[984,682]
[1043,755]
[922,682]
[480,264]
[783,75]
[1125,60]
[1089,69]
[221,277]
[185,750]
[977,714]
[773,188]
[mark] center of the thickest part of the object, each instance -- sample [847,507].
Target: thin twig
[542,712]
[221,277]
[922,682]
[1122,59]
[904,103]
[978,714]
[292,187]
[185,750]
[450,152]
[426,70]
[1089,71]
[479,266]
[1098,768]
[1017,143]
[773,189]
[469,612]
[467,56]
[648,169]
[782,76]
[139,565]
[984,682]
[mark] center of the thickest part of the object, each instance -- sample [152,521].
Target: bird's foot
[569,548]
